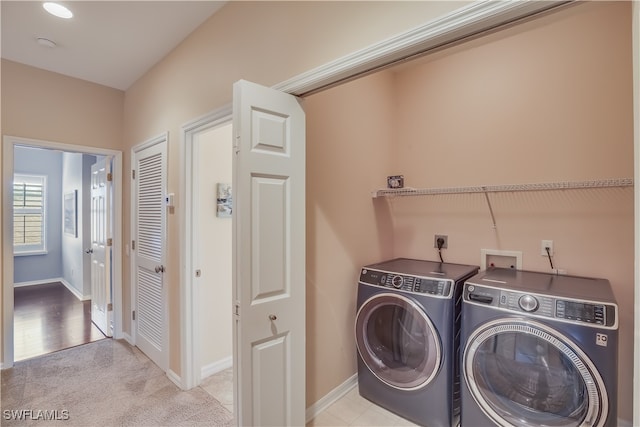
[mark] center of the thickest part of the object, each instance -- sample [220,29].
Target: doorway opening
[213,243]
[52,272]
[207,290]
[47,291]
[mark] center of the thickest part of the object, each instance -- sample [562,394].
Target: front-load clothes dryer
[538,350]
[406,338]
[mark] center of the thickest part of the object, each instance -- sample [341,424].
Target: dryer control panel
[567,309]
[421,285]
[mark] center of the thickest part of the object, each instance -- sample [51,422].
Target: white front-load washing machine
[538,350]
[407,341]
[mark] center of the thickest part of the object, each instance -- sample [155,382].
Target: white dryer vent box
[499,258]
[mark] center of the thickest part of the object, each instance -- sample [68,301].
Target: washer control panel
[421,285]
[574,310]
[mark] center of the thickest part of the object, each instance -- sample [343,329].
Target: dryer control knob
[397,281]
[528,303]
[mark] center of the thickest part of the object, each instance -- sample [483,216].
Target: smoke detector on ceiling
[46,42]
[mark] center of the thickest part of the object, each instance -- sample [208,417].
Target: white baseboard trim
[37,282]
[624,423]
[215,367]
[331,397]
[175,378]
[66,284]
[74,290]
[128,338]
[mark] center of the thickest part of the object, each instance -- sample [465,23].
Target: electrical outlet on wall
[443,237]
[543,247]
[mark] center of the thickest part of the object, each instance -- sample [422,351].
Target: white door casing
[149,178]
[268,256]
[100,250]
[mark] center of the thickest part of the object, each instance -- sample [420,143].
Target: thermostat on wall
[169,200]
[396,181]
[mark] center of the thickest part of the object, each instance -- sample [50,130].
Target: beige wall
[349,129]
[266,42]
[549,100]
[42,105]
[39,104]
[269,42]
[214,254]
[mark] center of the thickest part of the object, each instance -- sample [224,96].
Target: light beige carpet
[105,383]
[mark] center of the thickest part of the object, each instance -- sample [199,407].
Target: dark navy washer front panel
[423,295]
[538,349]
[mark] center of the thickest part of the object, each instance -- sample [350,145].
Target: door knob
[159,268]
[272,317]
[89,251]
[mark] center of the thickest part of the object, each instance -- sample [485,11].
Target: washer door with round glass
[523,373]
[397,341]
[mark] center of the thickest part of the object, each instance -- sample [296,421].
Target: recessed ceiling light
[56,9]
[46,42]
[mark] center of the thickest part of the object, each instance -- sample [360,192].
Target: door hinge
[109,177]
[133,245]
[133,174]
[198,273]
[133,315]
[110,307]
[236,144]
[109,241]
[237,310]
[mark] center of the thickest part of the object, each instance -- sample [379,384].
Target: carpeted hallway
[104,383]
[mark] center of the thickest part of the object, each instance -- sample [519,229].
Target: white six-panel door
[269,256]
[100,250]
[149,178]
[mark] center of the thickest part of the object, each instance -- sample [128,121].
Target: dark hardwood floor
[49,318]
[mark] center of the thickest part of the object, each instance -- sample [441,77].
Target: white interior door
[269,256]
[149,188]
[100,250]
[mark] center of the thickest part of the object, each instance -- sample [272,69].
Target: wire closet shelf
[504,188]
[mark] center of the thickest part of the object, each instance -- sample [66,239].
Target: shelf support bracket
[486,196]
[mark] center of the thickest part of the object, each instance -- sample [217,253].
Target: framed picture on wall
[223,201]
[70,204]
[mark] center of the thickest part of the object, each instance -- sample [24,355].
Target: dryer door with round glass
[524,373]
[397,341]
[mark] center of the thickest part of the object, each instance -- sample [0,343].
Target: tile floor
[354,410]
[350,410]
[220,386]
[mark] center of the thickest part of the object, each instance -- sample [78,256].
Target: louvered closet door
[149,178]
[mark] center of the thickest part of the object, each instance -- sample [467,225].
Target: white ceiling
[112,43]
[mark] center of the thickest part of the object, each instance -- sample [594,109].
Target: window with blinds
[29,214]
